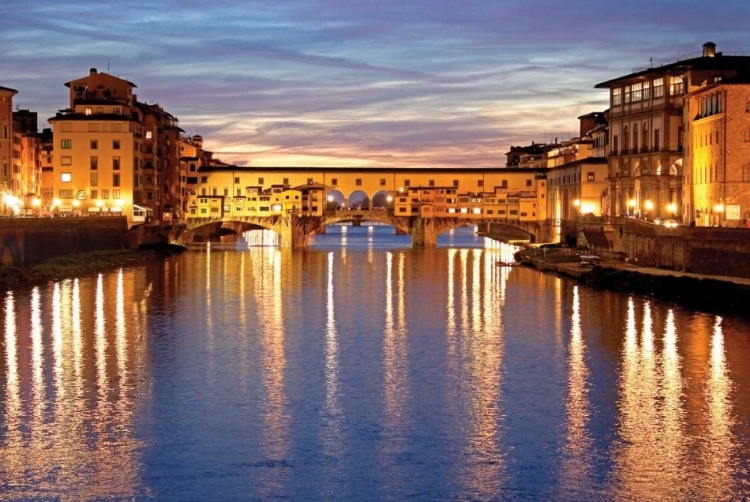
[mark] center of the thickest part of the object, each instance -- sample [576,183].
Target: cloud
[423,82]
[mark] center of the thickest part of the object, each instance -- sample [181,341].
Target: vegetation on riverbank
[62,267]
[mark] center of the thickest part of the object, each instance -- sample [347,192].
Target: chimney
[92,71]
[709,50]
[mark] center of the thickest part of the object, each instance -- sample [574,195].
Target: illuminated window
[636,91]
[646,90]
[66,177]
[617,96]
[149,134]
[87,111]
[676,86]
[658,87]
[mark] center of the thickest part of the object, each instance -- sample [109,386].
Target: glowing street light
[672,207]
[577,203]
[649,205]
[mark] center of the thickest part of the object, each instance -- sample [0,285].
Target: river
[361,369]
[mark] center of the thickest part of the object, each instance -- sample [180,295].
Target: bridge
[294,228]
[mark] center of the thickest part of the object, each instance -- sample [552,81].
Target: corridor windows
[676,86]
[616,96]
[637,92]
[658,87]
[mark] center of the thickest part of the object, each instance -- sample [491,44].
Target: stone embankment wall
[25,242]
[702,250]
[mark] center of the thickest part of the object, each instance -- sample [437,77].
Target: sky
[358,82]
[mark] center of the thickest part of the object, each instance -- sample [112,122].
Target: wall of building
[25,242]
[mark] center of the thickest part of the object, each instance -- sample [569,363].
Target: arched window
[635,138]
[625,138]
[644,134]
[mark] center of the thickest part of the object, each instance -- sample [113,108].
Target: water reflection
[63,430]
[577,467]
[255,373]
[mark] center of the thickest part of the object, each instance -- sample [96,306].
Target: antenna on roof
[107,65]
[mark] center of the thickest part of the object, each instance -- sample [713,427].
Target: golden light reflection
[651,459]
[332,412]
[13,410]
[275,439]
[719,455]
[577,468]
[76,439]
[484,472]
[395,349]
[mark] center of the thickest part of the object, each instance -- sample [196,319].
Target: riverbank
[63,267]
[715,294]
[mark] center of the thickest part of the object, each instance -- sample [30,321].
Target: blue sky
[358,82]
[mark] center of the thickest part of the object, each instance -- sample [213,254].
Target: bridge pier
[423,232]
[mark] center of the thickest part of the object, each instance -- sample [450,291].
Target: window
[116,194]
[646,90]
[528,183]
[658,87]
[615,144]
[66,160]
[746,172]
[66,193]
[116,163]
[455,183]
[407,183]
[590,177]
[626,94]
[504,183]
[617,96]
[236,180]
[676,86]
[382,182]
[94,179]
[94,144]
[285,181]
[657,139]
[260,180]
[204,179]
[116,144]
[149,134]
[66,144]
[94,194]
[116,111]
[192,168]
[94,163]
[636,91]
[116,180]
[66,177]
[480,183]
[87,111]
[358,182]
[334,181]
[99,109]
[105,194]
[432,183]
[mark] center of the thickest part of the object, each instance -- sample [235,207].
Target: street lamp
[719,209]
[649,206]
[631,205]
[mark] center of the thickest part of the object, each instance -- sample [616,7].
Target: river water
[361,369]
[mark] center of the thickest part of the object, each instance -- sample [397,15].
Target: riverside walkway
[567,261]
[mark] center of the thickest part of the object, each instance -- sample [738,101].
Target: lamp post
[631,207]
[719,210]
[649,206]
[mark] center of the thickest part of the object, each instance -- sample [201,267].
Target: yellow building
[717,149]
[646,128]
[6,145]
